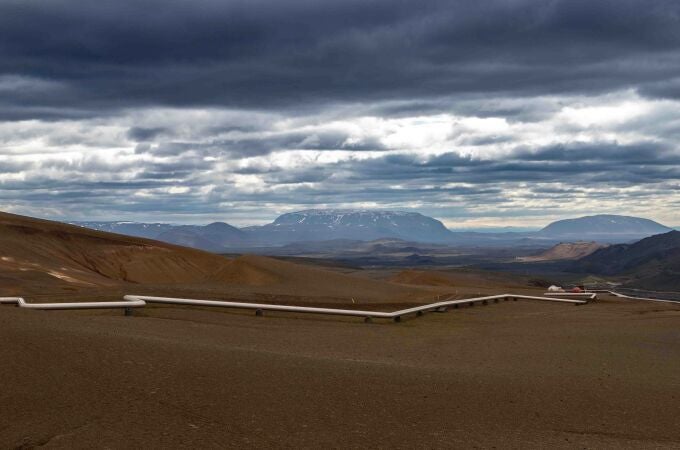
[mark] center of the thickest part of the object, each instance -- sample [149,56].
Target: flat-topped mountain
[327,224]
[603,227]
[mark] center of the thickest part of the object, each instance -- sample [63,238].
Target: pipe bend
[22,303]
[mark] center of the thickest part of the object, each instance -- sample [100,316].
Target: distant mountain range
[137,229]
[366,225]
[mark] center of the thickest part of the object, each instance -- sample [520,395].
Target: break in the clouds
[479,113]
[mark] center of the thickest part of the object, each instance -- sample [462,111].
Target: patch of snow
[63,276]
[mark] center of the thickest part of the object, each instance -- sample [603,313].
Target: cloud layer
[493,112]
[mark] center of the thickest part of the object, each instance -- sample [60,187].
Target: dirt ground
[509,375]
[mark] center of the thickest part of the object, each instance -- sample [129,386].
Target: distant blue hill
[604,227]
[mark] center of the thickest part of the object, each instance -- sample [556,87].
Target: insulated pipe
[21,303]
[586,295]
[258,306]
[616,294]
[138,301]
[341,312]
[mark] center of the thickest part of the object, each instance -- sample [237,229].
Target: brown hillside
[463,280]
[564,251]
[33,249]
[276,276]
[39,256]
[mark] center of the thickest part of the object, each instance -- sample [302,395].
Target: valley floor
[509,375]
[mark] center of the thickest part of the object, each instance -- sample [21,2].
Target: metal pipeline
[21,303]
[586,295]
[616,294]
[342,312]
[138,301]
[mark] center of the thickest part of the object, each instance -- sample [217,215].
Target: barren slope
[58,254]
[465,281]
[565,250]
[38,256]
[282,277]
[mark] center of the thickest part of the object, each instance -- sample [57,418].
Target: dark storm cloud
[337,192]
[141,134]
[663,89]
[477,104]
[583,165]
[296,54]
[607,153]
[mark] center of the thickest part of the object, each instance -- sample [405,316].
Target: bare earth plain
[508,375]
[519,374]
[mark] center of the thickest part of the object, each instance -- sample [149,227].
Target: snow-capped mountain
[138,229]
[326,224]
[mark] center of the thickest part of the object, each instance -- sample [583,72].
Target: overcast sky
[484,113]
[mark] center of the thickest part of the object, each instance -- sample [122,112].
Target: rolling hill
[564,251]
[651,263]
[55,254]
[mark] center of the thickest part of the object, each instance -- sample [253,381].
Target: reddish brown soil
[565,250]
